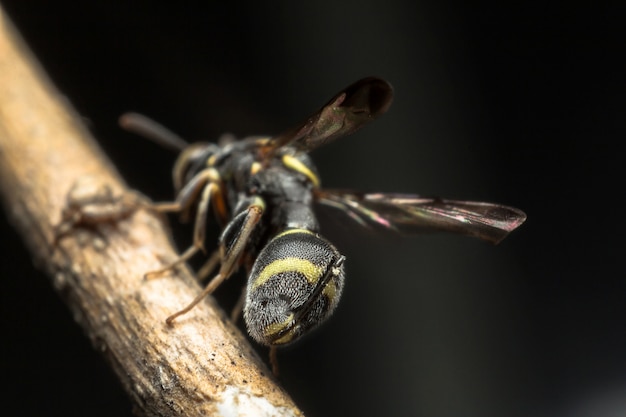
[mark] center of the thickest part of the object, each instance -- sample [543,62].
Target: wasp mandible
[263,191]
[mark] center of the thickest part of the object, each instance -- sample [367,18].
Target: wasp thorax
[294,286]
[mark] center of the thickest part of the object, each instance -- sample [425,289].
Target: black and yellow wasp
[263,191]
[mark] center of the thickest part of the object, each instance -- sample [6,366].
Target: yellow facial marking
[295,164]
[311,272]
[276,328]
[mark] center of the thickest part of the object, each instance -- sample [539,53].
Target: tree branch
[49,165]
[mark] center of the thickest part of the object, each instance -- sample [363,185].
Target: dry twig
[50,167]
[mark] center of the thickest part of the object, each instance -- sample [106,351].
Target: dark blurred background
[521,105]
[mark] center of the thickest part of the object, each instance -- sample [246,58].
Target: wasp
[263,191]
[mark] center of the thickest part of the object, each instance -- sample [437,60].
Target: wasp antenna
[148,128]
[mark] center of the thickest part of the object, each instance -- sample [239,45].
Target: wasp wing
[406,213]
[344,114]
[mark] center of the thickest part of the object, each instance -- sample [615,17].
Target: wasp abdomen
[293,287]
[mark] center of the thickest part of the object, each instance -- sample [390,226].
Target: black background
[522,105]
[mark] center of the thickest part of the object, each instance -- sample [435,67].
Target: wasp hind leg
[232,246]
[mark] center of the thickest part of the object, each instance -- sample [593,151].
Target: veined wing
[344,114]
[406,213]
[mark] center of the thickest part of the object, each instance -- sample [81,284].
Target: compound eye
[293,287]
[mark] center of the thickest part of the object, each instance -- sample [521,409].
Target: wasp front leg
[232,246]
[206,183]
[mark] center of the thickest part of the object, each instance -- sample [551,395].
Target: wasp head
[293,287]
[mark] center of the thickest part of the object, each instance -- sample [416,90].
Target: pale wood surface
[202,365]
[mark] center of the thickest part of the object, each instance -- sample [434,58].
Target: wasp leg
[230,252]
[238,309]
[208,267]
[189,192]
[274,360]
[199,228]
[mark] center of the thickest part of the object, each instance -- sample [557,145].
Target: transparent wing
[406,213]
[344,114]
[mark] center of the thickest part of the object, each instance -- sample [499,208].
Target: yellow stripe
[290,231]
[295,164]
[311,272]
